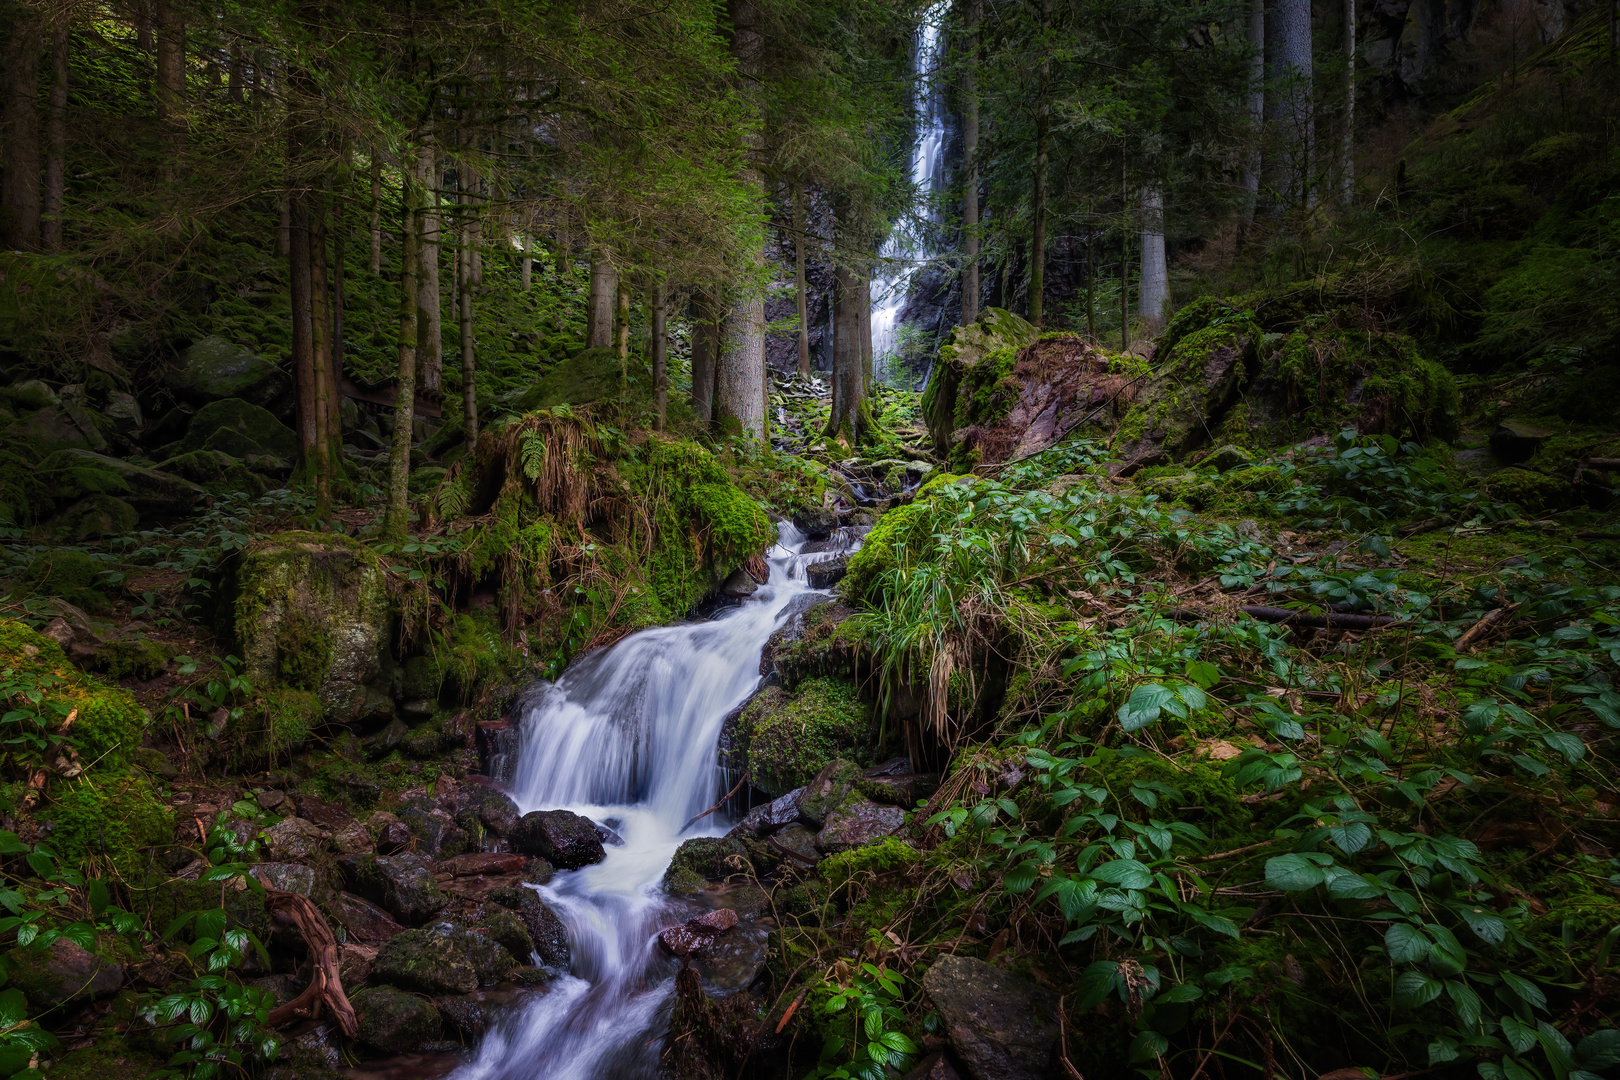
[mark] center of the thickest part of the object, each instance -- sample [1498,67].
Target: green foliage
[867,1007]
[787,739]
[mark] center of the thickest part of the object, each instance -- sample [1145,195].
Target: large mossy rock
[1001,1027]
[548,936]
[995,331]
[394,1021]
[561,837]
[310,611]
[62,972]
[442,959]
[55,428]
[213,369]
[153,493]
[240,428]
[1197,382]
[782,740]
[404,884]
[587,376]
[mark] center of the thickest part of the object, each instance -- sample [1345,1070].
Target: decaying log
[1287,616]
[1474,633]
[325,986]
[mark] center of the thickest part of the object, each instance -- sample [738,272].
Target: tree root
[325,985]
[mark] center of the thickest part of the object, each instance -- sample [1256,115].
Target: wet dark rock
[733,961]
[798,844]
[62,972]
[546,931]
[465,1013]
[435,831]
[404,884]
[817,522]
[763,820]
[283,988]
[608,836]
[480,863]
[394,838]
[498,813]
[269,800]
[393,1021]
[354,963]
[293,839]
[1515,441]
[903,791]
[857,823]
[738,587]
[566,840]
[702,859]
[288,877]
[362,920]
[325,814]
[445,958]
[826,791]
[696,934]
[1001,1027]
[935,1066]
[827,573]
[807,645]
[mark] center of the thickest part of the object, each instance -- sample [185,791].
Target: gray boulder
[62,972]
[1000,1026]
[444,958]
[547,935]
[240,429]
[393,1021]
[214,368]
[562,838]
[403,884]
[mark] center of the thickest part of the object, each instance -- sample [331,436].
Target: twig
[1332,620]
[1063,1040]
[1235,851]
[1474,633]
[717,805]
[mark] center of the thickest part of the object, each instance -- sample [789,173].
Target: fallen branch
[717,805]
[1474,633]
[1287,616]
[325,984]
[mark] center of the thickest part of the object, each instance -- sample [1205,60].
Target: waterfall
[889,290]
[628,737]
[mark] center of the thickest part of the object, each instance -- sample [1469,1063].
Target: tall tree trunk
[849,413]
[1347,160]
[1043,113]
[338,284]
[399,456]
[739,378]
[621,337]
[284,225]
[868,379]
[1091,275]
[300,287]
[1153,293]
[1257,106]
[1289,109]
[19,199]
[1124,254]
[56,141]
[376,213]
[528,261]
[430,332]
[970,158]
[799,288]
[659,306]
[467,180]
[321,338]
[171,84]
[599,303]
[233,85]
[705,352]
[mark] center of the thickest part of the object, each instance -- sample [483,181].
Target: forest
[810,539]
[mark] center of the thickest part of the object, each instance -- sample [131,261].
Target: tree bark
[528,261]
[376,213]
[1347,160]
[429,316]
[864,305]
[321,337]
[326,983]
[399,458]
[705,352]
[739,378]
[171,84]
[303,329]
[799,287]
[1043,114]
[599,303]
[1257,106]
[233,85]
[621,337]
[1124,255]
[970,158]
[56,141]
[1289,108]
[467,181]
[19,197]
[660,351]
[849,415]
[1153,292]
[284,226]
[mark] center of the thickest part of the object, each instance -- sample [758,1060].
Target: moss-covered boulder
[587,376]
[108,722]
[213,368]
[442,959]
[154,493]
[564,839]
[403,884]
[93,517]
[394,1021]
[703,859]
[995,331]
[1197,382]
[311,611]
[54,428]
[785,739]
[239,428]
[548,937]
[61,972]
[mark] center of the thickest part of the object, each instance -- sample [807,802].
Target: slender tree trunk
[621,337]
[799,287]
[739,378]
[399,456]
[233,85]
[659,306]
[1124,256]
[1153,295]
[321,338]
[1347,160]
[705,351]
[284,225]
[864,305]
[528,261]
[599,304]
[56,141]
[301,289]
[376,213]
[430,334]
[19,199]
[469,356]
[1289,108]
[848,419]
[1043,111]
[1091,276]
[1257,106]
[970,158]
[171,84]
[338,284]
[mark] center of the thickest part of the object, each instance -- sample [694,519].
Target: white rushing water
[628,737]
[927,175]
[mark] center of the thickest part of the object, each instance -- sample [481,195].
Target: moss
[278,722]
[702,859]
[884,856]
[995,329]
[303,651]
[136,657]
[880,551]
[110,724]
[789,738]
[95,516]
[1531,492]
[115,820]
[70,574]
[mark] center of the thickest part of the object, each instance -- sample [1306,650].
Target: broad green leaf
[1519,1036]
[1527,991]
[1406,944]
[1293,873]
[1126,873]
[1144,706]
[1599,1050]
[1413,988]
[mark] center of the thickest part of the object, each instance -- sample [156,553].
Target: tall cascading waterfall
[890,290]
[628,737]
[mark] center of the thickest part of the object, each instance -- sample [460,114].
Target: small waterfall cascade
[889,291]
[627,736]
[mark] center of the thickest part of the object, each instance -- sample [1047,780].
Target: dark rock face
[498,813]
[701,859]
[63,972]
[435,832]
[546,931]
[288,877]
[816,523]
[214,368]
[857,823]
[240,429]
[798,844]
[466,1014]
[442,959]
[763,820]
[696,934]
[404,884]
[564,839]
[827,573]
[732,961]
[394,838]
[1001,1027]
[362,920]
[826,791]
[394,1021]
